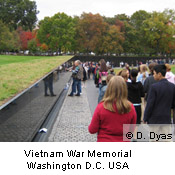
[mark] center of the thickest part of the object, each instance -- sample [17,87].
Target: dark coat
[135,92]
[161,99]
[147,84]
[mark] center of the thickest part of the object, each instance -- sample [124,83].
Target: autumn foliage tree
[116,39]
[141,34]
[18,18]
[111,42]
[44,47]
[91,29]
[25,37]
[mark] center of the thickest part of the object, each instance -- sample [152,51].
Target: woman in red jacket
[114,111]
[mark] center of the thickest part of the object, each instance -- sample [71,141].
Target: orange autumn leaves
[96,35]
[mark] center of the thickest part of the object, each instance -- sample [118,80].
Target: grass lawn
[19,72]
[173,68]
[117,70]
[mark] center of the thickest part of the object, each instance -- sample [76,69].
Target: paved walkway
[92,94]
[75,116]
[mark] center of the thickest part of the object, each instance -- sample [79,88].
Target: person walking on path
[149,80]
[171,78]
[143,74]
[85,71]
[114,111]
[124,73]
[103,89]
[169,75]
[77,77]
[161,99]
[135,92]
[103,73]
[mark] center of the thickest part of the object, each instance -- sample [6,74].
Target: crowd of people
[132,96]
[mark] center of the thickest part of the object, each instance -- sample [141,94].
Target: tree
[158,33]
[32,46]
[74,43]
[25,37]
[44,47]
[112,41]
[130,43]
[170,14]
[57,32]
[43,34]
[110,21]
[14,44]
[90,31]
[5,36]
[9,41]
[122,17]
[17,13]
[137,20]
[128,34]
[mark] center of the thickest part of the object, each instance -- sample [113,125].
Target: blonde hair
[108,78]
[124,73]
[143,69]
[168,67]
[117,93]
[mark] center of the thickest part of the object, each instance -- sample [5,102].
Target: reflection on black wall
[20,120]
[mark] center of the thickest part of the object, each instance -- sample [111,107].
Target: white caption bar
[86,158]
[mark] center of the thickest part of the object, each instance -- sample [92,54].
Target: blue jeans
[93,76]
[80,87]
[76,84]
[100,86]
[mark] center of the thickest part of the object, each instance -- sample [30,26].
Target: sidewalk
[73,120]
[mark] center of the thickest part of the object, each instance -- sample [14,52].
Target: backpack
[104,77]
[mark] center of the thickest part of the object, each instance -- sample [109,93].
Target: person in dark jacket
[149,80]
[135,92]
[161,99]
[77,75]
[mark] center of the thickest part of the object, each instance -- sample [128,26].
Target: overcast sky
[108,8]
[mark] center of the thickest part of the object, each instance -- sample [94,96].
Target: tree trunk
[59,50]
